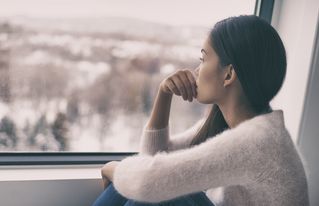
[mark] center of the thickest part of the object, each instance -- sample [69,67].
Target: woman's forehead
[207,47]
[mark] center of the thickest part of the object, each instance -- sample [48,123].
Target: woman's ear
[230,75]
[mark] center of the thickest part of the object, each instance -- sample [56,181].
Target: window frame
[263,9]
[60,158]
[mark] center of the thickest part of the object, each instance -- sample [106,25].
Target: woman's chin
[197,99]
[202,101]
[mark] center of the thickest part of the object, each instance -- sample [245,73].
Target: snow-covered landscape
[88,85]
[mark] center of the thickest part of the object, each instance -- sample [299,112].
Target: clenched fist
[181,83]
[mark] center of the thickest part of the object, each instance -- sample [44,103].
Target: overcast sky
[196,12]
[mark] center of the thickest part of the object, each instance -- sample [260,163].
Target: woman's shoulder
[267,124]
[265,132]
[272,137]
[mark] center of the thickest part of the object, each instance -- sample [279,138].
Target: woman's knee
[110,197]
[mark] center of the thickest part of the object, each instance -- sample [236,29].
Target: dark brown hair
[258,56]
[213,125]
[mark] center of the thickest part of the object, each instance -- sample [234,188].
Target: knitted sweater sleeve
[153,141]
[230,158]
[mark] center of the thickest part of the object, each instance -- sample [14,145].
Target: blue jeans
[110,197]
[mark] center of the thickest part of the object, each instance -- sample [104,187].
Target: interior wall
[309,130]
[296,22]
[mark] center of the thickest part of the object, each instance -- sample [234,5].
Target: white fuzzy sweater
[255,163]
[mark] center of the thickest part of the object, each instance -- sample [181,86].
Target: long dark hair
[258,56]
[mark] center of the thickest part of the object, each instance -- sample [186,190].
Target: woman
[240,154]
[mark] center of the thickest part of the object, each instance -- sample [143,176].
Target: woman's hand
[181,83]
[107,172]
[105,182]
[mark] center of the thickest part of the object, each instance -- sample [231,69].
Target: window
[82,75]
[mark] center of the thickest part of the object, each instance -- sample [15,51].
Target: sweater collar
[274,117]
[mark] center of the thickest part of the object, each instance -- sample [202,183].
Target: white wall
[295,21]
[309,130]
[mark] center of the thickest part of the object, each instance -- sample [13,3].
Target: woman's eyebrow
[203,51]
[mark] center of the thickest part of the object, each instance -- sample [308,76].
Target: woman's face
[209,75]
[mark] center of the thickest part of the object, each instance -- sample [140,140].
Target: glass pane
[82,75]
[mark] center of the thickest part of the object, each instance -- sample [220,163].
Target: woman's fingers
[187,85]
[170,84]
[181,83]
[106,182]
[180,86]
[192,81]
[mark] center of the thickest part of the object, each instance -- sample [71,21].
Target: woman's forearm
[161,109]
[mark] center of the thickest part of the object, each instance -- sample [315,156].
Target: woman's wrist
[165,94]
[161,109]
[164,90]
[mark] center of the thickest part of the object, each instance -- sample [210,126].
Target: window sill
[50,172]
[50,185]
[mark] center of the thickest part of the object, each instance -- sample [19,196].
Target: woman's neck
[234,114]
